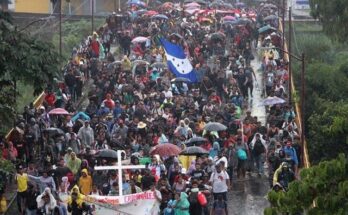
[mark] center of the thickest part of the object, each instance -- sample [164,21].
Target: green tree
[328,130]
[333,15]
[25,59]
[326,184]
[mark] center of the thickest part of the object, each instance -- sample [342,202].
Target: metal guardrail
[306,162]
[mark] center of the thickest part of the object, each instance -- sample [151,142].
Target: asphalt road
[248,197]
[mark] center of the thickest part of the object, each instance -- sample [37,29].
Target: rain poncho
[85,183]
[48,206]
[183,205]
[215,150]
[80,197]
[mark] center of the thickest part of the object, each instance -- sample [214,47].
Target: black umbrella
[106,153]
[215,126]
[217,36]
[270,17]
[194,150]
[195,141]
[54,131]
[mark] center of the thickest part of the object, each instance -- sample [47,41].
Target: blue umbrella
[137,2]
[160,16]
[266,28]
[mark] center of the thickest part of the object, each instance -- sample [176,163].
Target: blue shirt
[291,152]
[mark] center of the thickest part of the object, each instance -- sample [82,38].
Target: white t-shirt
[219,181]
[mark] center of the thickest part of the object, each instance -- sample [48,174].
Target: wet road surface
[248,197]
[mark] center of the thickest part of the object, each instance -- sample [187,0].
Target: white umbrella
[140,39]
[272,101]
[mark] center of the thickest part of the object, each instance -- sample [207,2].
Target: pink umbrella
[229,18]
[166,150]
[58,111]
[192,4]
[150,13]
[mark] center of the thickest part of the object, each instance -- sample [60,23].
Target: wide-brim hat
[141,125]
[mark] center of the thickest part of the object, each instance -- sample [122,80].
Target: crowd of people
[135,103]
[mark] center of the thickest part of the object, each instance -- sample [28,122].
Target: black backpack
[259,148]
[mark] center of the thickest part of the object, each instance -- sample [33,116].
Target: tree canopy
[333,15]
[25,59]
[326,184]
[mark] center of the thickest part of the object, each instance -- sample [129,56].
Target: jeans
[30,212]
[258,159]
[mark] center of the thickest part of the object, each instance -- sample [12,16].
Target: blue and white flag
[177,61]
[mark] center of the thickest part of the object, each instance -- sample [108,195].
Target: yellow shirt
[22,182]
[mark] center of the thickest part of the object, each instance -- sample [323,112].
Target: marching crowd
[135,103]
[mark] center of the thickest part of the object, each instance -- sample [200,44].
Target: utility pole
[60,26]
[92,15]
[283,22]
[303,99]
[290,72]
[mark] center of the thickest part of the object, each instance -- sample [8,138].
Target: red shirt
[50,98]
[95,47]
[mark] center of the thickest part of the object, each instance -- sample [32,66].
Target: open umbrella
[159,65]
[217,36]
[244,21]
[166,150]
[272,101]
[197,1]
[240,4]
[229,18]
[137,62]
[194,150]
[195,141]
[159,16]
[167,5]
[140,39]
[192,5]
[137,2]
[215,126]
[58,111]
[54,131]
[106,153]
[150,13]
[266,28]
[270,17]
[180,79]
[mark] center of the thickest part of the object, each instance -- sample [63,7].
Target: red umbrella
[58,111]
[166,150]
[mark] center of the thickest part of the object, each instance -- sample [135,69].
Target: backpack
[193,198]
[241,154]
[258,148]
